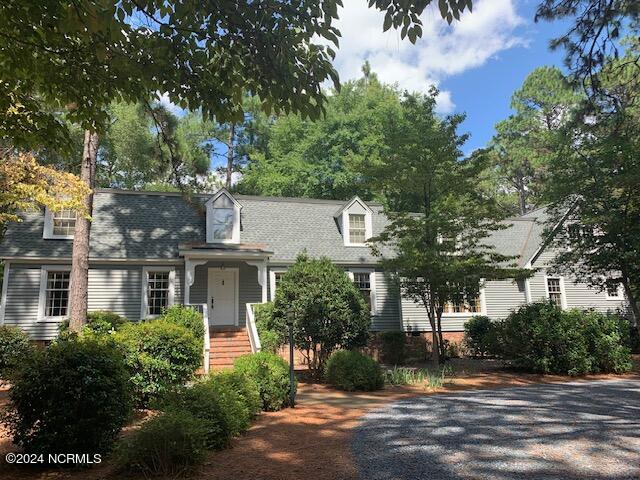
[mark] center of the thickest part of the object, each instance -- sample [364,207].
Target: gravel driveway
[578,430]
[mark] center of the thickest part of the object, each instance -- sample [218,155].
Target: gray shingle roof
[135,225]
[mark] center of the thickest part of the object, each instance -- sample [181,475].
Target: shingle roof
[146,225]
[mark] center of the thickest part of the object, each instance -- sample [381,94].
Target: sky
[477,63]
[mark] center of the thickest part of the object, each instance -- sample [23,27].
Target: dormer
[223,218]
[355,220]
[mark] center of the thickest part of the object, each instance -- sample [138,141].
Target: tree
[329,311]
[439,219]
[593,187]
[82,57]
[329,157]
[525,143]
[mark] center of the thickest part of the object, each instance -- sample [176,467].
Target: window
[614,291]
[362,280]
[357,228]
[554,291]
[276,277]
[158,291]
[59,225]
[54,292]
[223,219]
[473,306]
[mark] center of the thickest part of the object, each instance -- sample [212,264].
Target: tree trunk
[78,292]
[230,154]
[435,347]
[635,311]
[443,353]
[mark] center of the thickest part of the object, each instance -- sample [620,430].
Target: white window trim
[5,286]
[145,293]
[47,233]
[619,296]
[368,223]
[235,234]
[563,296]
[372,285]
[483,307]
[42,298]
[272,281]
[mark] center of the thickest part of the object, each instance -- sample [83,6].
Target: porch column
[261,265]
[189,277]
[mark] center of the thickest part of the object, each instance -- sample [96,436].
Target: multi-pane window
[275,283]
[362,281]
[555,291]
[64,222]
[357,228]
[158,287]
[57,294]
[222,218]
[472,306]
[613,291]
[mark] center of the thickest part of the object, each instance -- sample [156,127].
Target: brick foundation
[417,345]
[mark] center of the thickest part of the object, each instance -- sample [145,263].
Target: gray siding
[414,318]
[503,296]
[250,290]
[387,304]
[117,289]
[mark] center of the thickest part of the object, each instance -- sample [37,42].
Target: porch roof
[198,249]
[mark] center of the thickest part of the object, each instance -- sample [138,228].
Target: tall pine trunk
[78,292]
[435,340]
[230,154]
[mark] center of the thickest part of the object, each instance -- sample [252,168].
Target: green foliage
[351,370]
[187,317]
[412,376]
[543,338]
[272,333]
[72,397]
[103,322]
[160,355]
[14,346]
[329,311]
[167,445]
[480,336]
[271,374]
[393,346]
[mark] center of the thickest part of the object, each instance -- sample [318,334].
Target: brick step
[240,338]
[229,353]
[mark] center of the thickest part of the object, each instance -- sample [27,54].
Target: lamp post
[292,379]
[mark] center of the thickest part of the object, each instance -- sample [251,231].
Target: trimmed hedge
[351,370]
[72,397]
[543,338]
[168,445]
[271,373]
[160,355]
[14,345]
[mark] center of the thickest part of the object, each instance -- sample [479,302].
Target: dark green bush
[224,403]
[543,338]
[272,333]
[72,397]
[392,344]
[351,370]
[14,345]
[168,445]
[480,336]
[104,322]
[160,356]
[271,374]
[187,317]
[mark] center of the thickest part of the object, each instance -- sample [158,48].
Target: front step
[227,344]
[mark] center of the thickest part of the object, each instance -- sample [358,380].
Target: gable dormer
[223,218]
[355,220]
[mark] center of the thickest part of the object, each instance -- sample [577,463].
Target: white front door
[222,296]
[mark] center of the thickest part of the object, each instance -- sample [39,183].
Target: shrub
[72,397]
[160,355]
[393,346]
[14,345]
[272,334]
[187,317]
[103,322]
[245,386]
[329,311]
[271,374]
[351,370]
[480,336]
[542,338]
[167,445]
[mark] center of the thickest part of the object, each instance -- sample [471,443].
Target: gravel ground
[570,431]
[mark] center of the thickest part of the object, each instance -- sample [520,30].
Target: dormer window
[59,225]
[223,218]
[355,222]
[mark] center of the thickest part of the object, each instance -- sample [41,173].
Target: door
[222,296]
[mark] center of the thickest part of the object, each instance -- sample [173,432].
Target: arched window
[223,218]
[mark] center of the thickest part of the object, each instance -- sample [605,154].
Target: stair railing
[252,330]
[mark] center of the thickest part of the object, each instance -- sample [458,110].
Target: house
[150,250]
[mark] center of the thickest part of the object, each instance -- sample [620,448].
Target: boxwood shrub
[14,345]
[72,397]
[271,373]
[480,336]
[351,370]
[160,355]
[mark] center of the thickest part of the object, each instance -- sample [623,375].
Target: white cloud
[172,107]
[441,52]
